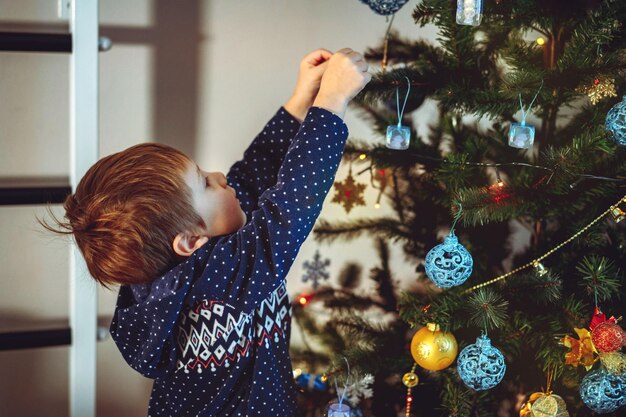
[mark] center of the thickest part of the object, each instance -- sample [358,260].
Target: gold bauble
[410,379]
[549,406]
[433,349]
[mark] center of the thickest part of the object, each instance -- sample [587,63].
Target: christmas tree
[530,135]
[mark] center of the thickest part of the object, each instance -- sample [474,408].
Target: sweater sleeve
[256,259]
[258,169]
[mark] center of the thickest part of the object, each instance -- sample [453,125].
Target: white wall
[201,75]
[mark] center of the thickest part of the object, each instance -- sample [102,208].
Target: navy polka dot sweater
[214,331]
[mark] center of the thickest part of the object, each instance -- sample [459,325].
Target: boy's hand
[312,68]
[346,74]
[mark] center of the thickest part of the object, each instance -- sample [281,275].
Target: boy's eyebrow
[199,171]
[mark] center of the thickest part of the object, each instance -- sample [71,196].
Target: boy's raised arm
[265,248]
[258,169]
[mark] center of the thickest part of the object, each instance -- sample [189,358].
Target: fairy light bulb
[541,41]
[303,300]
[362,156]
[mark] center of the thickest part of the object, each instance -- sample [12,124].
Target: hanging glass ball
[385,7]
[549,406]
[608,337]
[433,349]
[481,366]
[448,264]
[602,391]
[616,122]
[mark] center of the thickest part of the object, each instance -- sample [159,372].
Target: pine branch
[384,227]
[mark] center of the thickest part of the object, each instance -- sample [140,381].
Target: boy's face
[214,201]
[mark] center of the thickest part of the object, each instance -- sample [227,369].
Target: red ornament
[608,337]
[599,317]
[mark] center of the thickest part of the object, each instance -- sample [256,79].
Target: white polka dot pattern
[214,331]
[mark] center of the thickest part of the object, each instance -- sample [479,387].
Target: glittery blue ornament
[448,264]
[603,391]
[616,122]
[481,366]
[385,7]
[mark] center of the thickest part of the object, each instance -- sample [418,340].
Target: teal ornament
[338,410]
[481,366]
[385,7]
[616,122]
[521,135]
[448,264]
[398,137]
[602,391]
[469,12]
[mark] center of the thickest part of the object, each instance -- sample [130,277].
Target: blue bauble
[603,391]
[616,122]
[385,7]
[481,366]
[448,264]
[311,382]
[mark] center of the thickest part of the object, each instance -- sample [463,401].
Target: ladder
[83,44]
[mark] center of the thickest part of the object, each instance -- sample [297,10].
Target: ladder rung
[26,191]
[35,339]
[35,42]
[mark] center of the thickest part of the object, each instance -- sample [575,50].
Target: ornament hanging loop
[525,113]
[406,97]
[398,136]
[383,64]
[456,218]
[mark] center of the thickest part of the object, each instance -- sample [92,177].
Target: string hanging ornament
[398,136]
[522,135]
[449,264]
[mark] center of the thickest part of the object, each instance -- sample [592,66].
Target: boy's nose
[221,179]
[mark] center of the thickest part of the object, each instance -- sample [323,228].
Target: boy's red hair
[126,211]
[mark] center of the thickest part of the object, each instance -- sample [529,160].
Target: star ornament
[582,352]
[349,193]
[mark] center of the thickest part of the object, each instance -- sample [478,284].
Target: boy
[203,307]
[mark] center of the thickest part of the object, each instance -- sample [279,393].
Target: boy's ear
[185,244]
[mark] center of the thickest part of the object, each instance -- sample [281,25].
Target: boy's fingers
[362,65]
[320,69]
[317,57]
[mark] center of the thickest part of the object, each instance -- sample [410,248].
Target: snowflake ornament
[349,193]
[316,270]
[361,389]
